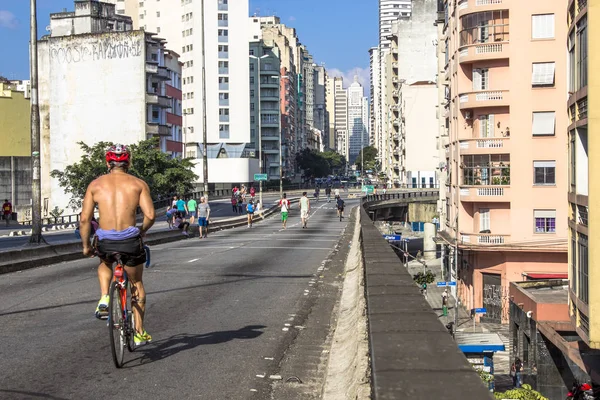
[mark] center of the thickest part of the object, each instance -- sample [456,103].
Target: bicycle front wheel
[116,325]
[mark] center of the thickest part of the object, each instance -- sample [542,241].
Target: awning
[479,342]
[546,276]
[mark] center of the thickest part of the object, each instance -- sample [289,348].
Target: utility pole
[204,140]
[36,185]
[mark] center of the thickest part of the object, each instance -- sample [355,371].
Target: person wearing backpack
[250,210]
[284,204]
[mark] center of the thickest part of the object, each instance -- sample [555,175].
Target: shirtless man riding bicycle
[118,195]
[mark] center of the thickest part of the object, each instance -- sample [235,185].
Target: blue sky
[338,33]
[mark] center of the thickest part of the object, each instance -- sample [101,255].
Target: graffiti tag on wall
[106,48]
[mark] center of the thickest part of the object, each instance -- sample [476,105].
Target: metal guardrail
[402,195]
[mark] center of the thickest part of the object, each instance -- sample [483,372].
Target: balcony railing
[484,144]
[483,239]
[485,194]
[484,98]
[487,2]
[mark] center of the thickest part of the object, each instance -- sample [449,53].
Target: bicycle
[121,324]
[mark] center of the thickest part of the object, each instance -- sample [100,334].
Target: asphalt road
[219,209]
[217,310]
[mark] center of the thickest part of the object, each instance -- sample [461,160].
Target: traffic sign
[480,311]
[260,177]
[443,284]
[392,237]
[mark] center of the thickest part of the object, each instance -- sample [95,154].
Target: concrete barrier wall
[412,354]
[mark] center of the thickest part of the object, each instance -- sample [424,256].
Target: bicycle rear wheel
[116,325]
[130,321]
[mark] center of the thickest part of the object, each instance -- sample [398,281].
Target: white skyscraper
[227,76]
[389,11]
[358,133]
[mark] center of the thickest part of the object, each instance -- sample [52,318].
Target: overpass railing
[411,352]
[401,195]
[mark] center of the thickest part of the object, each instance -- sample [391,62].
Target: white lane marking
[269,358]
[288,325]
[285,329]
[275,377]
[261,375]
[194,260]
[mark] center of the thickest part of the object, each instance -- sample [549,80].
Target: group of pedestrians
[180,211]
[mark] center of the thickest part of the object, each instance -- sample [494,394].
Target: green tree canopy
[313,163]
[370,156]
[163,174]
[336,161]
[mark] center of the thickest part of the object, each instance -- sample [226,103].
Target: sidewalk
[465,323]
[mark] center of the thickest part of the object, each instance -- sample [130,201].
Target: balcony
[266,71]
[163,73]
[156,129]
[483,239]
[472,6]
[491,145]
[151,68]
[160,101]
[488,194]
[271,150]
[269,97]
[484,98]
[269,123]
[484,51]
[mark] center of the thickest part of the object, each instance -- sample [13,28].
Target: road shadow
[22,394]
[161,349]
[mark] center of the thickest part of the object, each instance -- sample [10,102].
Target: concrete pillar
[428,243]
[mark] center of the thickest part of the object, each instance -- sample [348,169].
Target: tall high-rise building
[357,131]
[584,197]
[330,107]
[376,138]
[390,11]
[506,213]
[227,92]
[341,116]
[321,120]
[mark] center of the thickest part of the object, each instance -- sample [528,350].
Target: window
[222,17]
[223,131]
[252,80]
[158,29]
[223,32]
[544,172]
[251,92]
[573,261]
[582,263]
[480,79]
[251,106]
[571,62]
[158,13]
[223,79]
[582,53]
[223,111]
[223,48]
[251,52]
[545,221]
[572,161]
[542,74]
[484,219]
[542,26]
[486,126]
[486,169]
[544,123]
[251,67]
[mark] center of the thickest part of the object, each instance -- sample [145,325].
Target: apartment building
[92,65]
[227,92]
[376,138]
[15,153]
[321,119]
[582,122]
[341,116]
[265,110]
[271,29]
[506,157]
[330,109]
[390,11]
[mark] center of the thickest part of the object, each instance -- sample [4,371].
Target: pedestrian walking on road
[234,204]
[284,205]
[203,217]
[7,211]
[304,209]
[170,215]
[445,302]
[250,210]
[182,208]
[240,204]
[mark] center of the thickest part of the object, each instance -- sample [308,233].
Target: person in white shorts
[304,209]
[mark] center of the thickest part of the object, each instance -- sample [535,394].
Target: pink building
[506,157]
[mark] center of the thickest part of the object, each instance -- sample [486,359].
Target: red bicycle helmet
[118,153]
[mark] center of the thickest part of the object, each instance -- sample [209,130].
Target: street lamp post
[204,135]
[281,148]
[260,152]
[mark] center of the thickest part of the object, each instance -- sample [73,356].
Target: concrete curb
[38,256]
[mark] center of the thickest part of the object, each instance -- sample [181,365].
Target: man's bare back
[118,195]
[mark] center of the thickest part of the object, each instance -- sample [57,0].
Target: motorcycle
[582,391]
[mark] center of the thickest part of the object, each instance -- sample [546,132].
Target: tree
[525,393]
[370,158]
[313,163]
[336,161]
[164,175]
